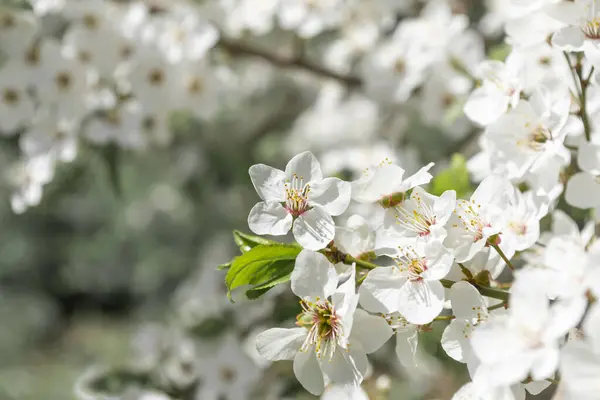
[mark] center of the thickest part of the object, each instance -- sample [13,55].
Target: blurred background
[125,170]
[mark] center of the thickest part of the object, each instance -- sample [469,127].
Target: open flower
[470,311]
[298,198]
[526,341]
[583,26]
[423,215]
[412,287]
[479,221]
[333,337]
[501,89]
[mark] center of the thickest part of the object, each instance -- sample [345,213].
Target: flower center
[472,222]
[411,262]
[518,228]
[296,195]
[537,138]
[418,220]
[325,330]
[591,29]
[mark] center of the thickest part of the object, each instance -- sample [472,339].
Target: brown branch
[237,48]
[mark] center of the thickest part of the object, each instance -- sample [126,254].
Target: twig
[503,256]
[237,48]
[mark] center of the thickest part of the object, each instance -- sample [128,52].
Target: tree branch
[239,49]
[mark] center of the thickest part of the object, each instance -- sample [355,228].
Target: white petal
[439,261]
[269,182]
[384,181]
[588,157]
[332,194]
[280,344]
[370,330]
[344,392]
[313,276]
[493,190]
[346,367]
[569,38]
[306,166]
[583,191]
[485,106]
[421,177]
[308,372]
[466,301]
[580,369]
[444,206]
[421,301]
[380,291]
[565,314]
[454,340]
[568,12]
[314,229]
[407,341]
[269,219]
[562,224]
[545,364]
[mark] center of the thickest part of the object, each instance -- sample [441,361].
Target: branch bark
[239,49]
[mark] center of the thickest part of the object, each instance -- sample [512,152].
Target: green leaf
[499,52]
[246,242]
[262,267]
[223,266]
[455,177]
[283,273]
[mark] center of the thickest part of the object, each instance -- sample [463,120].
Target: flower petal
[306,166]
[346,367]
[407,341]
[314,229]
[308,371]
[466,301]
[569,38]
[485,106]
[269,219]
[313,276]
[439,261]
[370,330]
[380,291]
[454,340]
[280,344]
[332,194]
[421,177]
[444,205]
[588,157]
[383,181]
[583,191]
[421,301]
[269,182]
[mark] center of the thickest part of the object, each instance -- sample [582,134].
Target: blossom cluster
[538,148]
[511,269]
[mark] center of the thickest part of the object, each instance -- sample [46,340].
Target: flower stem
[444,318]
[581,85]
[497,306]
[484,290]
[503,256]
[466,272]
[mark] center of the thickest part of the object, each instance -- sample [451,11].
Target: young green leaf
[262,267]
[246,242]
[455,177]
